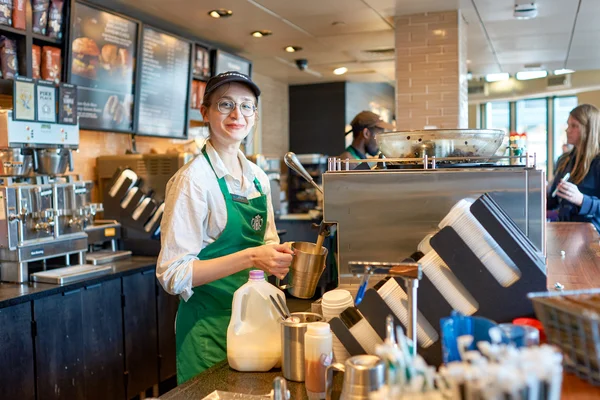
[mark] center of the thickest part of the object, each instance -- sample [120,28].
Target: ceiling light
[502,76]
[563,71]
[525,75]
[220,13]
[525,10]
[340,71]
[261,33]
[292,49]
[439,32]
[468,61]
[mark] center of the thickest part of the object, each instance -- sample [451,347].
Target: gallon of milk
[254,333]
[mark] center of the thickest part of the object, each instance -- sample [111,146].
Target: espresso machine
[43,211]
[403,207]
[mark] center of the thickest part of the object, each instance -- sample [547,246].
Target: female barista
[578,198]
[218,223]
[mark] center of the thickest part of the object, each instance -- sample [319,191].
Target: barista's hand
[274,259]
[570,192]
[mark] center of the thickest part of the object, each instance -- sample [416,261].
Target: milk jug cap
[257,275]
[318,329]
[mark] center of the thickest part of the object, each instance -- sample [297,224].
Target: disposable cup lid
[335,307]
[336,297]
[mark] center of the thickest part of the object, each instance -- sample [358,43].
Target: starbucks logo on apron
[257,222]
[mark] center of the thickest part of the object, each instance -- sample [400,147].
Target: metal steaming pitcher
[305,271]
[362,375]
[292,342]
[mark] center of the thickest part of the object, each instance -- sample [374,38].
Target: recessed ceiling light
[502,76]
[526,75]
[525,10]
[292,49]
[563,71]
[262,33]
[340,71]
[220,13]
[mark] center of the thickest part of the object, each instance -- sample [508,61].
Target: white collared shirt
[195,215]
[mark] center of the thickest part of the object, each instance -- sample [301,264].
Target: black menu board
[164,80]
[103,51]
[225,62]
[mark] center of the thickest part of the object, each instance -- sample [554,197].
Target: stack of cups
[481,243]
[333,304]
[440,275]
[396,298]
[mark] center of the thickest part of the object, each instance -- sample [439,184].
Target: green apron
[353,152]
[202,321]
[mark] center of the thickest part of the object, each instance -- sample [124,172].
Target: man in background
[365,127]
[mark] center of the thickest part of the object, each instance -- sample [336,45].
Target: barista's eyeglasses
[226,107]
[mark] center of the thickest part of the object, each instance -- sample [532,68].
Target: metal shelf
[47,39]
[10,29]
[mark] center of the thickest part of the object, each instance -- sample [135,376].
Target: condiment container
[317,357]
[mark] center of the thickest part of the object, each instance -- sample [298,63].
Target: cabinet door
[167,310]
[16,353]
[59,346]
[141,356]
[103,341]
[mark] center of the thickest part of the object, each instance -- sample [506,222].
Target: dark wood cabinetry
[17,379]
[58,346]
[103,341]
[109,340]
[139,313]
[166,306]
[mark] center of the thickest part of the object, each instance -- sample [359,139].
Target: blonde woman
[218,223]
[578,198]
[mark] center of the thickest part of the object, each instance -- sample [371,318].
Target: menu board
[103,51]
[225,62]
[201,63]
[164,81]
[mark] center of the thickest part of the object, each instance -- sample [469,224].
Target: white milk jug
[254,332]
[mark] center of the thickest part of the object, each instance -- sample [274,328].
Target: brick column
[431,71]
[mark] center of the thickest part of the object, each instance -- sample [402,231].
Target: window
[532,120]
[497,116]
[562,108]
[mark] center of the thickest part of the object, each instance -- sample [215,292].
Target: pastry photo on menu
[117,111]
[85,58]
[116,61]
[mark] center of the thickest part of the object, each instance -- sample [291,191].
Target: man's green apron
[202,321]
[353,153]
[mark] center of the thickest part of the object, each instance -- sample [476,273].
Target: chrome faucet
[48,221]
[409,271]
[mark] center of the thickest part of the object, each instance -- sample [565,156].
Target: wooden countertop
[578,268]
